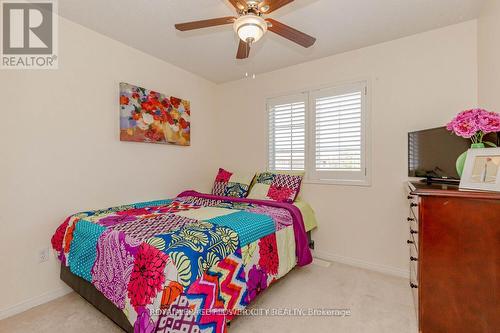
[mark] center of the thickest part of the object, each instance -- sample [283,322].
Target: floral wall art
[149,116]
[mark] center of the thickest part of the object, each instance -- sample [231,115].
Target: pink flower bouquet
[474,124]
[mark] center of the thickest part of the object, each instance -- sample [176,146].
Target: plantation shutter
[287,132]
[338,142]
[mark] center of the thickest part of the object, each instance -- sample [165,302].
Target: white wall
[417,82]
[489,56]
[60,151]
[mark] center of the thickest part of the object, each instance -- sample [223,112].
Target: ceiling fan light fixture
[250,28]
[265,8]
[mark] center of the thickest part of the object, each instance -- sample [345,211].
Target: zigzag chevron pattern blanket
[184,265]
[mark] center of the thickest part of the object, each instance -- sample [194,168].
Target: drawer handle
[413,204]
[410,219]
[410,242]
[413,231]
[410,197]
[413,259]
[413,285]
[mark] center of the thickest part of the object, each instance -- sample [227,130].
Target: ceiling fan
[251,26]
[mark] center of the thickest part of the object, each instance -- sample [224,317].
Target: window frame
[337,177]
[311,175]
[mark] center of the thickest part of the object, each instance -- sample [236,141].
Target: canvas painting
[149,116]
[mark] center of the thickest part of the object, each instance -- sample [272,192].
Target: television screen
[432,153]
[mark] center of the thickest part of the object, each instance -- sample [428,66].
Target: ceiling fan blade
[205,23]
[269,6]
[243,50]
[239,4]
[290,33]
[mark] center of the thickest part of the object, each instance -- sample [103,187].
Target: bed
[188,264]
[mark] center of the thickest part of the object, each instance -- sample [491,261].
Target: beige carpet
[378,304]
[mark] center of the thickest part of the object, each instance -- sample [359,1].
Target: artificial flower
[474,124]
[489,123]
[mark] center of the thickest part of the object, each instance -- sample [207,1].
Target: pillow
[277,186]
[228,184]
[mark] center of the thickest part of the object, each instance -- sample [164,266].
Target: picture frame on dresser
[482,170]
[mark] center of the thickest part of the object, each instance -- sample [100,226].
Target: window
[337,134]
[287,132]
[323,132]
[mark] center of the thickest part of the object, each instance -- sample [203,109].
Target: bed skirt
[96,298]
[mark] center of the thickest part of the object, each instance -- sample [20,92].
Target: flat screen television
[432,153]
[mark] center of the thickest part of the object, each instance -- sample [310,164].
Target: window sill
[362,183]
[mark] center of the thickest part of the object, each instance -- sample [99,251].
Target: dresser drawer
[414,285]
[413,258]
[413,202]
[413,236]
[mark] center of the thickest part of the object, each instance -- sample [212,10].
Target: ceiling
[339,25]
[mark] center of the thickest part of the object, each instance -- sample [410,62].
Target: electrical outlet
[43,255]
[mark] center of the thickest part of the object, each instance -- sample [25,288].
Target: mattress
[188,264]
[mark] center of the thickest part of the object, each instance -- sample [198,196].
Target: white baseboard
[51,295]
[362,264]
[34,301]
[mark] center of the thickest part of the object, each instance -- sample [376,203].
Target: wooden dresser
[454,242]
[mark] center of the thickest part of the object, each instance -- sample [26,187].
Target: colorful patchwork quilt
[189,264]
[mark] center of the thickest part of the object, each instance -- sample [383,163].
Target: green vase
[461,159]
